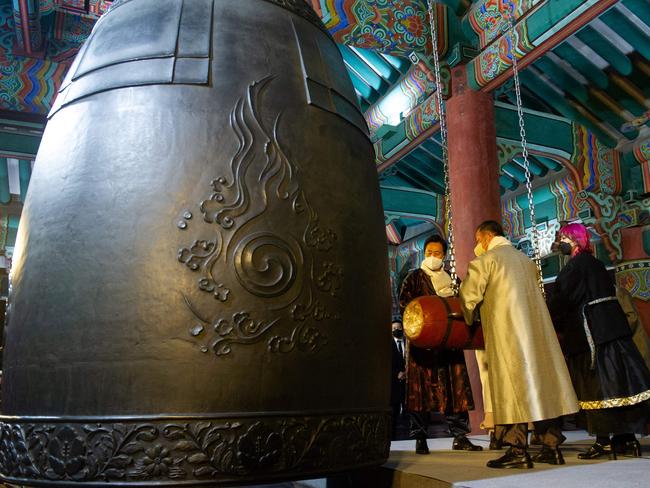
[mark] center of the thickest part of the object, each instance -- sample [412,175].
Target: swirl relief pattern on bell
[268,259]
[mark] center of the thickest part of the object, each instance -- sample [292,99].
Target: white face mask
[479,250]
[433,263]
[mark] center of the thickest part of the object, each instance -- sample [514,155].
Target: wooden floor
[445,468]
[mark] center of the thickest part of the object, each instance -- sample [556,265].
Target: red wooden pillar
[474,182]
[632,270]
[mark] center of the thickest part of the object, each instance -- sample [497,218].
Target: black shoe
[548,456]
[626,444]
[628,448]
[462,443]
[598,450]
[421,446]
[512,460]
[495,444]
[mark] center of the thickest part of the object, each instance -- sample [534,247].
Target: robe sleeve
[410,290]
[564,297]
[472,289]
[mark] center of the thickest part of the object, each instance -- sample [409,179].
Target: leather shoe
[548,456]
[598,450]
[421,446]
[495,444]
[512,460]
[462,443]
[628,448]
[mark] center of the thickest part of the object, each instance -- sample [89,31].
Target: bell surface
[200,288]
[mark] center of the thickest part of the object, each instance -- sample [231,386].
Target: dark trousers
[457,423]
[516,435]
[397,408]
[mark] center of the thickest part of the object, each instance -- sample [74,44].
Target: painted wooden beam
[582,64]
[27,28]
[543,29]
[5,195]
[397,28]
[606,49]
[410,202]
[628,30]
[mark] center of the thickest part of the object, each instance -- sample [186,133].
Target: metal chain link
[443,141]
[524,149]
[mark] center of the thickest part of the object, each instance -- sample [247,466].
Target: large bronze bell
[200,286]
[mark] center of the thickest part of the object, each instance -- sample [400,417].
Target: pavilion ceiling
[598,75]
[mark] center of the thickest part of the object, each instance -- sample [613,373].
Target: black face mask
[398,333]
[565,248]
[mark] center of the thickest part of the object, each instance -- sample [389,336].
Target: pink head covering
[579,234]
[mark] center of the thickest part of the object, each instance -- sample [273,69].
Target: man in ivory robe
[528,376]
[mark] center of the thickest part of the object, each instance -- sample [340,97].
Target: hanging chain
[443,142]
[524,149]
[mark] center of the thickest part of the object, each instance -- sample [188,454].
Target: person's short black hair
[436,238]
[491,226]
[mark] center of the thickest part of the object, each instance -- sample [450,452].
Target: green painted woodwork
[582,64]
[400,64]
[562,79]
[411,167]
[19,144]
[608,115]
[631,175]
[545,208]
[535,168]
[602,253]
[625,101]
[628,31]
[363,70]
[433,148]
[549,163]
[412,181]
[640,8]
[409,202]
[507,182]
[549,14]
[646,241]
[608,51]
[516,171]
[639,79]
[427,162]
[558,103]
[632,171]
[550,266]
[384,68]
[459,7]
[25,173]
[394,138]
[460,54]
[12,230]
[5,195]
[364,90]
[542,130]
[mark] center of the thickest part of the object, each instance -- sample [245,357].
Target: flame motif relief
[266,249]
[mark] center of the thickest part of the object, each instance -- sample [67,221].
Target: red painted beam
[24,21]
[556,39]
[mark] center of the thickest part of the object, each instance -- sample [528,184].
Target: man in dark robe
[398,374]
[437,380]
